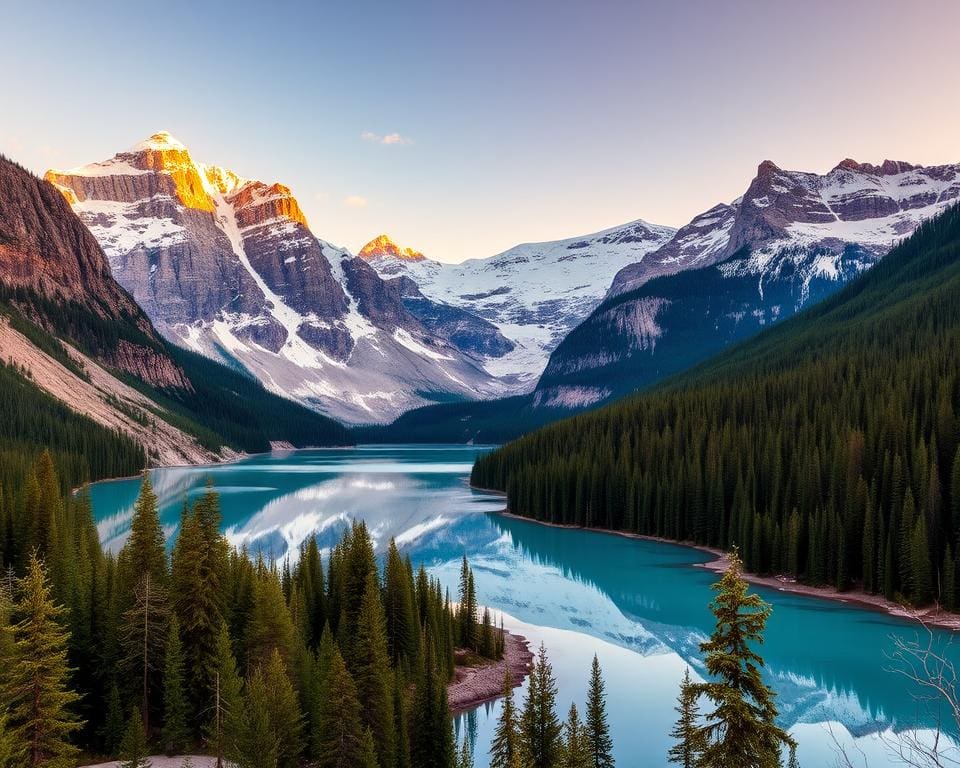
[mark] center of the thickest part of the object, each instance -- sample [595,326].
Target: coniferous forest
[338,663]
[828,448]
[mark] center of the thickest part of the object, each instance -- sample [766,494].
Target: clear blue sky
[518,121]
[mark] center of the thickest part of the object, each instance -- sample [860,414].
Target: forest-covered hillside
[826,448]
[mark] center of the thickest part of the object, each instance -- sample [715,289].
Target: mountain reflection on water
[643,606]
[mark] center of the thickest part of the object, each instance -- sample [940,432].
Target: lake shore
[473,686]
[931,616]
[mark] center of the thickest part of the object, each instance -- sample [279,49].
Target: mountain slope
[73,338]
[533,293]
[827,448]
[229,268]
[791,240]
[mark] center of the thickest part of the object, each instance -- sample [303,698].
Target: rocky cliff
[55,272]
[229,267]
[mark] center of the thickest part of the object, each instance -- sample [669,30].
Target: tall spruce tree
[576,747]
[257,745]
[741,729]
[134,749]
[370,669]
[283,707]
[175,733]
[540,729]
[597,728]
[505,747]
[686,733]
[339,732]
[431,732]
[36,686]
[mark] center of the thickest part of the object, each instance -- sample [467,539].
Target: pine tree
[576,747]
[598,730]
[133,748]
[270,627]
[690,742]
[370,669]
[740,730]
[225,727]
[339,733]
[36,688]
[539,727]
[143,632]
[283,706]
[257,746]
[175,733]
[431,732]
[112,730]
[505,747]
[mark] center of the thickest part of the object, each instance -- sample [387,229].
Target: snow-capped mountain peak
[382,247]
[534,293]
[229,267]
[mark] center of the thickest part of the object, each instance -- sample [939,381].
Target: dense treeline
[828,448]
[228,406]
[336,663]
[223,406]
[30,419]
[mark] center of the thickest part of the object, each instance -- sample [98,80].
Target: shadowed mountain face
[532,294]
[54,271]
[791,240]
[228,267]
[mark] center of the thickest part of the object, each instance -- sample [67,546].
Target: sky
[463,128]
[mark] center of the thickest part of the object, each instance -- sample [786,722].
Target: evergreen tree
[35,687]
[431,737]
[270,627]
[257,745]
[340,737]
[197,589]
[540,730]
[370,670]
[505,747]
[740,730]
[175,733]
[687,734]
[133,748]
[112,730]
[576,751]
[143,632]
[283,706]
[224,729]
[597,728]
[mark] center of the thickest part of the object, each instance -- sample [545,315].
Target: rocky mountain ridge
[533,293]
[790,240]
[228,266]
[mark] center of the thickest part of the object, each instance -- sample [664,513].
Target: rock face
[228,267]
[793,238]
[532,294]
[47,253]
[382,247]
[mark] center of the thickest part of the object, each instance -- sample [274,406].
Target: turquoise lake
[640,606]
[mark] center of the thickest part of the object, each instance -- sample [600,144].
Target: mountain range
[229,267]
[72,336]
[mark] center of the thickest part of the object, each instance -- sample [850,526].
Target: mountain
[822,447]
[533,294]
[792,239]
[84,368]
[228,267]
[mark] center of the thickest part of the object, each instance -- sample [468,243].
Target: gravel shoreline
[473,686]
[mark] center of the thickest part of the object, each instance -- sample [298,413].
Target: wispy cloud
[355,201]
[321,197]
[390,139]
